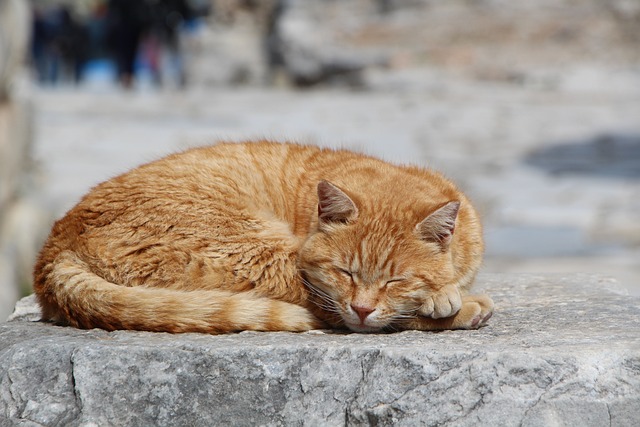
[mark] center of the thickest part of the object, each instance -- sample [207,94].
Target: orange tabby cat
[265,236]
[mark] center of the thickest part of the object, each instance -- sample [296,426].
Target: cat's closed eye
[392,282]
[346,273]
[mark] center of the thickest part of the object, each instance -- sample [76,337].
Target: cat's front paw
[475,313]
[443,303]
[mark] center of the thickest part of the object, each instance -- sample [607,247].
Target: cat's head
[373,265]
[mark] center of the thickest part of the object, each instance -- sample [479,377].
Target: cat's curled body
[265,236]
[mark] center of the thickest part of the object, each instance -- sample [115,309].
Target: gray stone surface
[560,350]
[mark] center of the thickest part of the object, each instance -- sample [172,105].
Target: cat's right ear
[334,205]
[440,225]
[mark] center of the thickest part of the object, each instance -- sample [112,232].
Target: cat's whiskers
[395,321]
[326,302]
[401,316]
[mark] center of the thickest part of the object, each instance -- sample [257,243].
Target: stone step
[560,350]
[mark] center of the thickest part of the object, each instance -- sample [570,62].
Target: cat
[266,236]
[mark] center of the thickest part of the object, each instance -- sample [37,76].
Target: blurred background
[532,107]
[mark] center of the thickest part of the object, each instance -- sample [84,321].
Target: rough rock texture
[560,350]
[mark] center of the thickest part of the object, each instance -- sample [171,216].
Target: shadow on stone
[608,156]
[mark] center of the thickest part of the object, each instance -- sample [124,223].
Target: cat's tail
[69,293]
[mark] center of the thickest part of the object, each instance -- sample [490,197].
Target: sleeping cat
[269,237]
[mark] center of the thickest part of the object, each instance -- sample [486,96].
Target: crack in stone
[373,419]
[17,402]
[544,392]
[480,402]
[34,422]
[76,392]
[367,362]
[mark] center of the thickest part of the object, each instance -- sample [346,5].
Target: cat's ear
[440,225]
[334,205]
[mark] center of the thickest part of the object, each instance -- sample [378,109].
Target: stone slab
[560,350]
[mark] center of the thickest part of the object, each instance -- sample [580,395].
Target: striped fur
[265,236]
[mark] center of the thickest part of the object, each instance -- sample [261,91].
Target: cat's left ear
[440,225]
[334,205]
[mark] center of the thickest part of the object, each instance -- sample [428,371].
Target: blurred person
[97,30]
[148,31]
[72,45]
[169,17]
[45,25]
[127,22]
[58,46]
[38,43]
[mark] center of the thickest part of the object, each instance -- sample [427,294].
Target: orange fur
[265,236]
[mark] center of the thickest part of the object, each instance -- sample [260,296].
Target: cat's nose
[363,312]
